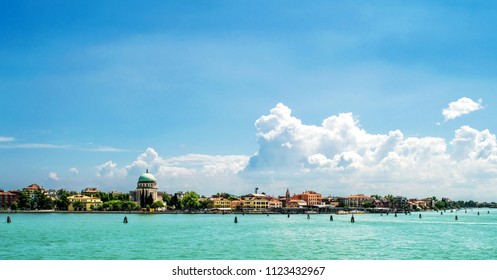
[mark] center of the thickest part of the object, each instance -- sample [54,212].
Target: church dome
[147,178]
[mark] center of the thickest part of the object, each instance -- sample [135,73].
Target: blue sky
[92,94]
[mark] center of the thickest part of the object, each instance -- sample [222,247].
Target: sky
[339,97]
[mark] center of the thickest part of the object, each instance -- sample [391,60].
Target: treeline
[38,200]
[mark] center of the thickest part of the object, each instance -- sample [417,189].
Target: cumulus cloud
[471,144]
[53,176]
[463,106]
[195,171]
[339,156]
[109,170]
[73,170]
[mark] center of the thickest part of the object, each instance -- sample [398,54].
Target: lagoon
[90,236]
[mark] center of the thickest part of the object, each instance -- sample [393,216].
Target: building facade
[146,192]
[356,200]
[311,198]
[80,202]
[7,198]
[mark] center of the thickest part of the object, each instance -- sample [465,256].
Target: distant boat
[311,212]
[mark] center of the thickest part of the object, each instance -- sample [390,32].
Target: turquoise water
[59,236]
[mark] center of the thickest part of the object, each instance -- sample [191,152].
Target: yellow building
[255,203]
[219,202]
[81,202]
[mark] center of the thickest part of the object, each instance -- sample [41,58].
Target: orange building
[310,197]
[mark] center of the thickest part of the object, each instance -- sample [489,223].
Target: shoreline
[337,211]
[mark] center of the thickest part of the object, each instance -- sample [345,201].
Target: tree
[166,198]
[62,202]
[150,200]
[177,202]
[368,204]
[42,201]
[157,204]
[190,200]
[130,205]
[25,200]
[206,203]
[13,206]
[142,200]
[78,205]
[440,204]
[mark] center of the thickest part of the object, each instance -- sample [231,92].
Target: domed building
[146,190]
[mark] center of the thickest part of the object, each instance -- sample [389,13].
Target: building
[356,200]
[146,192]
[7,198]
[236,204]
[33,188]
[220,202]
[51,193]
[311,198]
[80,202]
[90,191]
[256,201]
[331,201]
[275,203]
[296,203]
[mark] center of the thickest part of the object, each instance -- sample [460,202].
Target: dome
[146,178]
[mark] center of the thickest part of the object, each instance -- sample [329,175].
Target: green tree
[130,205]
[14,206]
[25,200]
[42,201]
[190,200]
[177,202]
[150,200]
[368,204]
[440,204]
[166,198]
[78,205]
[62,202]
[157,204]
[206,203]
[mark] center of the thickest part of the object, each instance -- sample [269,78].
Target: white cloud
[195,171]
[463,106]
[340,157]
[7,139]
[73,170]
[109,170]
[471,144]
[53,176]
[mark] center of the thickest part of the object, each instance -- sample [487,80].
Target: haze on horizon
[340,98]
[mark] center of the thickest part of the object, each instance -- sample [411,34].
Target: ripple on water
[371,237]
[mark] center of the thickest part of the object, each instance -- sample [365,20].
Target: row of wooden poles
[352,219]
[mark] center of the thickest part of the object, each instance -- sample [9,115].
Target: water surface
[71,236]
